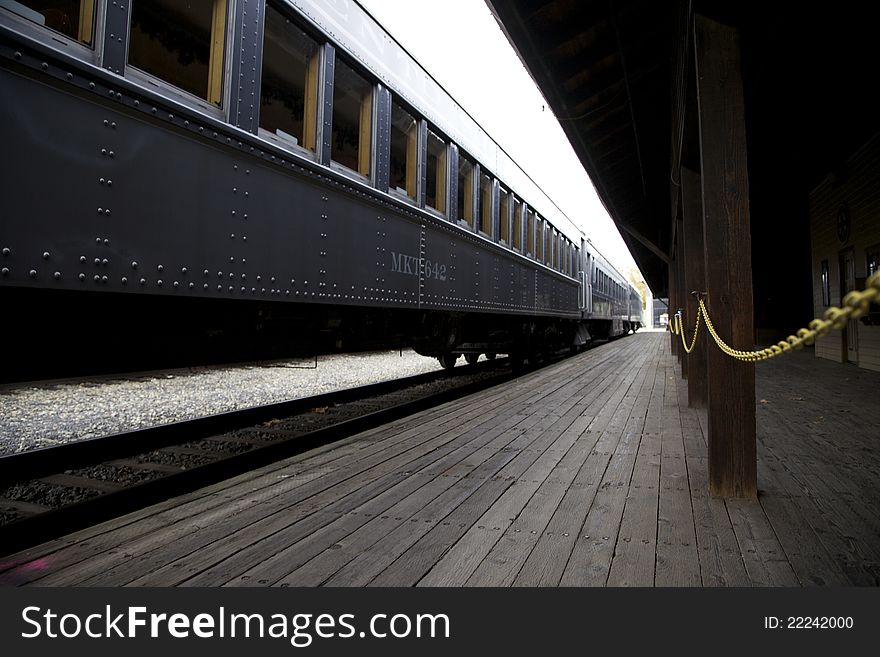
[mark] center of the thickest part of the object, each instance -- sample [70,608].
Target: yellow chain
[679,330]
[855,304]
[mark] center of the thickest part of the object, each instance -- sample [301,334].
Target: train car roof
[362,37]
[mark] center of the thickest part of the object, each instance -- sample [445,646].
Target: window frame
[504,214]
[516,224]
[147,79]
[93,54]
[319,64]
[825,282]
[413,148]
[466,191]
[441,190]
[367,115]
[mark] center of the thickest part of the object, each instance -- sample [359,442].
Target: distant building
[845,236]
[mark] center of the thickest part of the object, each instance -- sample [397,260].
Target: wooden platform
[591,472]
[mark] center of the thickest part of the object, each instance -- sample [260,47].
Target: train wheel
[472,358]
[448,360]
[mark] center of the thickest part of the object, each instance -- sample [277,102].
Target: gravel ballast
[42,414]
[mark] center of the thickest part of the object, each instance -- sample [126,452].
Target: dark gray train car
[265,172]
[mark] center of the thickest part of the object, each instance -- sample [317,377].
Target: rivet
[159,282]
[244,277]
[110,153]
[44,66]
[205,286]
[70,76]
[82,277]
[183,270]
[104,279]
[109,183]
[143,281]
[101,181]
[176,284]
[244,261]
[192,285]
[113,125]
[153,110]
[259,278]
[245,215]
[97,278]
[243,289]
[134,264]
[91,85]
[231,276]
[205,272]
[105,262]
[231,288]
[119,95]
[124,280]
[6,251]
[273,279]
[244,238]
[170,117]
[106,122]
[97,261]
[160,268]
[17,55]
[57,275]
[233,213]
[219,288]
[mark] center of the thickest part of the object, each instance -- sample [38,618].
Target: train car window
[517,225]
[289,83]
[539,239]
[826,284]
[504,216]
[72,18]
[530,233]
[435,196]
[547,243]
[352,119]
[181,43]
[404,148]
[485,225]
[465,190]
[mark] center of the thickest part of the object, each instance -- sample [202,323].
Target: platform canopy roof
[609,70]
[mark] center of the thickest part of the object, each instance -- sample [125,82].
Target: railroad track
[51,491]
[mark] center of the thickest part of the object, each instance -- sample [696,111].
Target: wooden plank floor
[590,472]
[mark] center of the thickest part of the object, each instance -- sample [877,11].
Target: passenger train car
[177,173]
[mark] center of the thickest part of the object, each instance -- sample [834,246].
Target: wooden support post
[670,311]
[728,258]
[694,280]
[681,293]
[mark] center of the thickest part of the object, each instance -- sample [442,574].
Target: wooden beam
[644,241]
[680,292]
[694,280]
[728,259]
